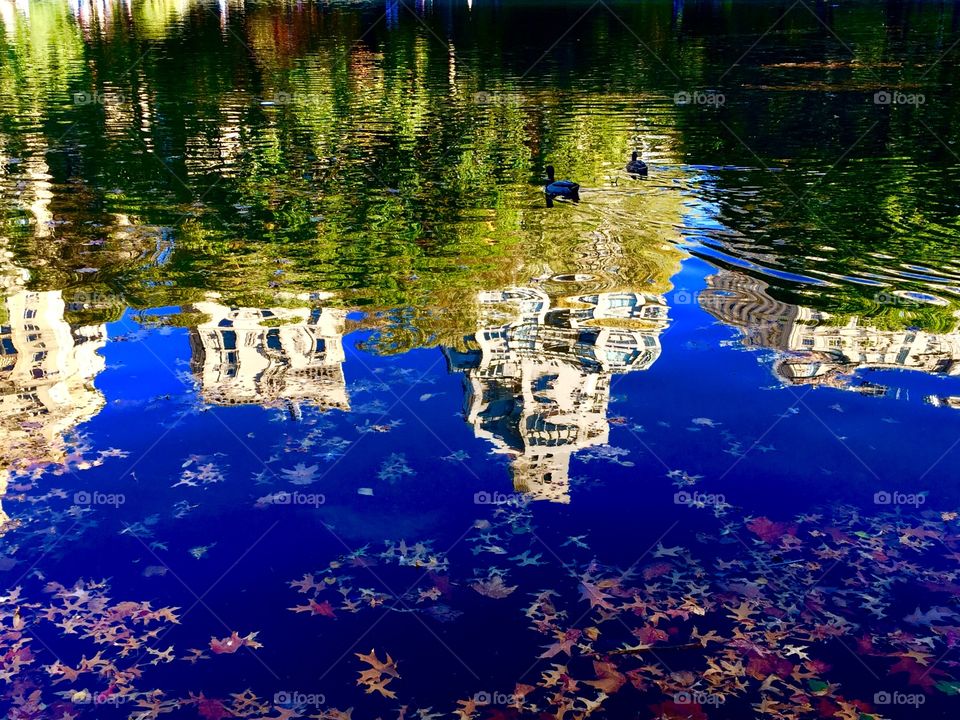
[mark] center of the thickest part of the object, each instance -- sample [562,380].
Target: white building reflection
[816,350]
[537,376]
[270,356]
[47,370]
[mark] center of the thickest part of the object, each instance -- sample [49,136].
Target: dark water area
[314,406]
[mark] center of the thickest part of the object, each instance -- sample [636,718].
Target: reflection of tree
[270,356]
[38,43]
[813,77]
[538,374]
[399,188]
[816,350]
[398,169]
[55,211]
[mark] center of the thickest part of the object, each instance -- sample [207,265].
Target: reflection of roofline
[947,401]
[537,376]
[46,380]
[832,352]
[542,331]
[264,356]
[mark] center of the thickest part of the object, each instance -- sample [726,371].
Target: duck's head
[634,156]
[549,170]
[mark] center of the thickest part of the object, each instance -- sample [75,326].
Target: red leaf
[918,674]
[211,709]
[324,608]
[770,531]
[656,570]
[670,710]
[227,645]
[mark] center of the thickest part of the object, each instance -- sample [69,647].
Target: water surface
[312,406]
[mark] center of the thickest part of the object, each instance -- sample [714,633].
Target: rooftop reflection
[816,347]
[47,370]
[270,356]
[538,375]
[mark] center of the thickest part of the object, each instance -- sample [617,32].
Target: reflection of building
[538,378]
[948,401]
[817,351]
[46,379]
[265,356]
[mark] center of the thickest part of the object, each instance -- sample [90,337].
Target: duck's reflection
[818,350]
[270,356]
[537,375]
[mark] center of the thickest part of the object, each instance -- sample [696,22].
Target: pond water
[313,406]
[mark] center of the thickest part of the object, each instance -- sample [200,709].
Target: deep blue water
[312,407]
[768,450]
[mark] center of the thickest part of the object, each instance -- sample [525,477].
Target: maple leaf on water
[386,667]
[763,666]
[493,587]
[609,679]
[564,643]
[656,570]
[520,692]
[922,675]
[670,710]
[770,531]
[305,584]
[193,655]
[648,635]
[379,675]
[230,645]
[315,608]
[593,594]
[227,645]
[933,615]
[466,709]
[210,708]
[706,637]
[301,474]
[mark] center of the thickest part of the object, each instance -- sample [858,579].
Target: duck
[636,166]
[561,188]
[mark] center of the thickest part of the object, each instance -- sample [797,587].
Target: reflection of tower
[743,301]
[538,381]
[815,349]
[46,378]
[266,356]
